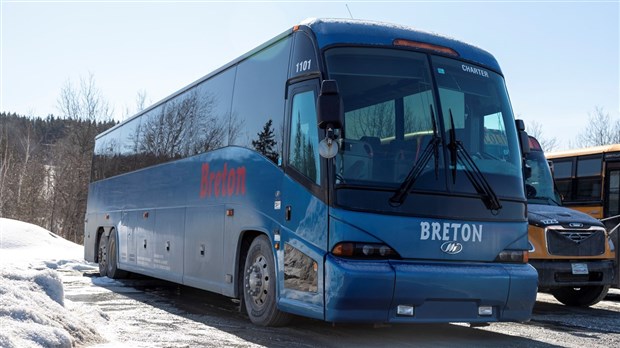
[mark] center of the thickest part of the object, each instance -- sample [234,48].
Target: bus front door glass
[304,147]
[613,191]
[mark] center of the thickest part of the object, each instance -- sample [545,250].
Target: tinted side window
[588,189]
[562,169]
[150,134]
[213,114]
[104,164]
[128,146]
[259,94]
[589,166]
[564,187]
[304,145]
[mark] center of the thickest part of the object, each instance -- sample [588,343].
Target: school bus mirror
[330,111]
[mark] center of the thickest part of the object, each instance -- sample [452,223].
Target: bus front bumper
[556,274]
[427,292]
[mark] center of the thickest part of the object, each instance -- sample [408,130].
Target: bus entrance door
[612,209]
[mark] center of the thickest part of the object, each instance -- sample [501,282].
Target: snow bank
[32,303]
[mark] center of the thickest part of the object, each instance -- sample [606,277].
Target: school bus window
[562,169]
[589,166]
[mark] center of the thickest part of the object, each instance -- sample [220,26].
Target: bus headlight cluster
[364,250]
[513,256]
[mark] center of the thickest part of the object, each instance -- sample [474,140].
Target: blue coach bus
[345,170]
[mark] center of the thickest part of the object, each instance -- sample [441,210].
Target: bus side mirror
[551,168]
[330,111]
[524,141]
[330,114]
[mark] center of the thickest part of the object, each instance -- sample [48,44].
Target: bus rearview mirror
[330,111]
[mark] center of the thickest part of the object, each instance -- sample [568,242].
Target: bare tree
[601,129]
[5,168]
[535,129]
[141,103]
[87,111]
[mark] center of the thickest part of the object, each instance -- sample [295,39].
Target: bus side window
[304,147]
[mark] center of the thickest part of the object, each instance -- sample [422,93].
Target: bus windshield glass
[392,116]
[539,186]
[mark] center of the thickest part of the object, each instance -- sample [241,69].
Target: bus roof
[584,151]
[350,31]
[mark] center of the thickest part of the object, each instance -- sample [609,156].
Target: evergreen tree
[266,143]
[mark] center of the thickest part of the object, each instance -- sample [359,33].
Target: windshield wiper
[475,176]
[431,149]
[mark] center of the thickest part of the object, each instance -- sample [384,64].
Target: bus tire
[584,296]
[102,255]
[259,285]
[113,271]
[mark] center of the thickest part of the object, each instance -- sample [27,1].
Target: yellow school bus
[589,181]
[571,251]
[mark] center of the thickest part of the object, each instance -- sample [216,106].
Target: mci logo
[452,248]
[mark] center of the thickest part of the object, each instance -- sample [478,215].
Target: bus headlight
[364,250]
[513,256]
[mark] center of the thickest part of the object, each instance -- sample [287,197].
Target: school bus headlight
[364,250]
[513,256]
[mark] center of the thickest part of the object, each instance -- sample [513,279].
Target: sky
[560,59]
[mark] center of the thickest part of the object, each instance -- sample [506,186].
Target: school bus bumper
[554,274]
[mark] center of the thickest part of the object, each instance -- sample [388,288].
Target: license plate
[579,268]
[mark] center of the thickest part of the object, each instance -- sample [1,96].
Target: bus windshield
[391,116]
[539,186]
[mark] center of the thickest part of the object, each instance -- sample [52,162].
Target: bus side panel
[302,252]
[204,234]
[90,237]
[127,240]
[144,236]
[168,244]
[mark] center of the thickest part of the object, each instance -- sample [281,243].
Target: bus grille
[571,242]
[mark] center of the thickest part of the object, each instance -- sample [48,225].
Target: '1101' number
[303,66]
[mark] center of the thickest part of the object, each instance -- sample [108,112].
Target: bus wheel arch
[258,282]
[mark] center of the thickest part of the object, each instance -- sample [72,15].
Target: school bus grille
[575,242]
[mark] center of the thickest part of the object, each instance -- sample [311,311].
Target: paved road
[145,312]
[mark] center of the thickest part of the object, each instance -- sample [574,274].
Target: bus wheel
[584,296]
[102,255]
[259,285]
[113,271]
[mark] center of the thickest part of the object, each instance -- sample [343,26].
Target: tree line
[45,169]
[45,161]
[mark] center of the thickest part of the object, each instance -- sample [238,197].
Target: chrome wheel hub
[257,280]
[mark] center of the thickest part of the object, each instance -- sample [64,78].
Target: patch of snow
[33,310]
